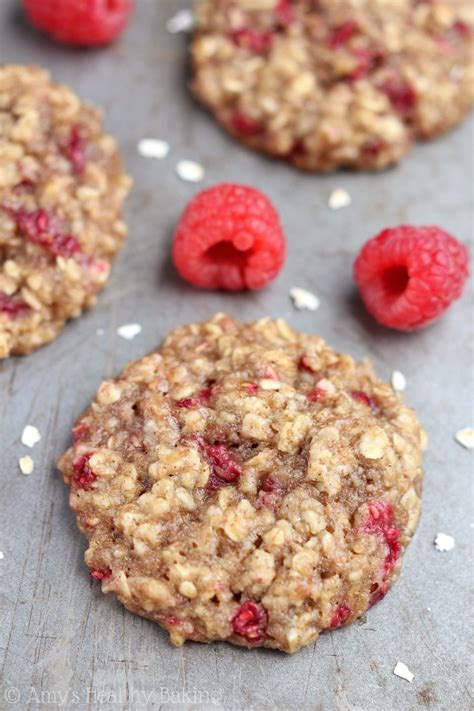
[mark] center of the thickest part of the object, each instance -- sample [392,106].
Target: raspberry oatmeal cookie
[246,483]
[61,192]
[329,83]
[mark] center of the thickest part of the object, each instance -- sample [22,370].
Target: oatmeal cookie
[246,483]
[331,83]
[61,192]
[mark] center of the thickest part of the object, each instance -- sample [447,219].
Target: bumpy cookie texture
[330,83]
[246,483]
[61,192]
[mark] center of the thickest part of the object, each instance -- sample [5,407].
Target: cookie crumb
[465,437]
[303,299]
[26,465]
[443,542]
[339,198]
[190,171]
[129,330]
[398,381]
[183,21]
[403,672]
[153,148]
[30,436]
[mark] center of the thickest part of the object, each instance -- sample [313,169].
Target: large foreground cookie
[61,192]
[246,483]
[329,83]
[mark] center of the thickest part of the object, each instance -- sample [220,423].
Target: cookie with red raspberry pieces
[62,187]
[335,83]
[224,501]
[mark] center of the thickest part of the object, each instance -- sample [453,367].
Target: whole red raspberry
[408,276]
[229,237]
[80,22]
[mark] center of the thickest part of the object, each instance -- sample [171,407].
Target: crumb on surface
[190,171]
[444,542]
[304,299]
[129,330]
[465,437]
[403,672]
[26,465]
[30,436]
[339,198]
[153,148]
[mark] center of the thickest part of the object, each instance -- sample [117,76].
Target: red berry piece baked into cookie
[225,501]
[62,187]
[327,84]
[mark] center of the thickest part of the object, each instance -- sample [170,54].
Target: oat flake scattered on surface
[190,171]
[398,381]
[2,556]
[443,542]
[339,198]
[129,330]
[153,148]
[303,299]
[26,465]
[465,437]
[183,21]
[403,672]
[30,436]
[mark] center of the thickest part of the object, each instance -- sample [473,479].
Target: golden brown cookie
[246,483]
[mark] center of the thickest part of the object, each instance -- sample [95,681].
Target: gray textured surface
[62,643]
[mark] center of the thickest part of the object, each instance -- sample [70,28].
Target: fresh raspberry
[100,573]
[408,276]
[250,622]
[229,237]
[80,22]
[340,616]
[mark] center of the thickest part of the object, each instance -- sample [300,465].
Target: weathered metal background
[64,644]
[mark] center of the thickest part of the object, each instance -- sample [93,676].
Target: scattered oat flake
[26,465]
[2,556]
[129,330]
[190,171]
[443,542]
[303,299]
[465,437]
[30,436]
[398,380]
[403,672]
[339,198]
[153,148]
[183,21]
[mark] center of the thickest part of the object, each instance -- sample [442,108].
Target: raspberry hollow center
[395,280]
